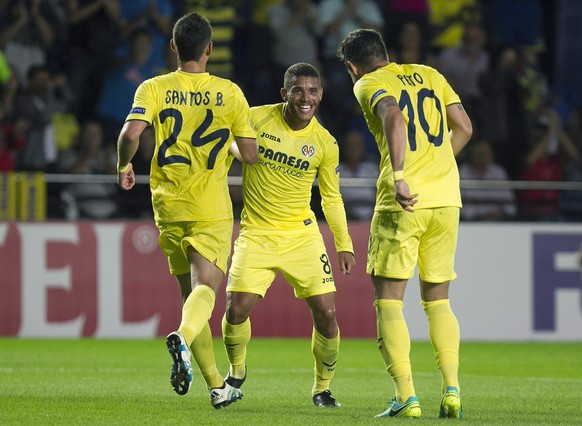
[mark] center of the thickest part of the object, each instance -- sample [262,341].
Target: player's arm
[127,145]
[333,208]
[395,134]
[460,127]
[246,150]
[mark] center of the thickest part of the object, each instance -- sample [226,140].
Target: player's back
[429,164]
[195,116]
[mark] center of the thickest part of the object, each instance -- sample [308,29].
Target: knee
[235,315]
[325,322]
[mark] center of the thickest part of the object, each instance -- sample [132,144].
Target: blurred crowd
[69,69]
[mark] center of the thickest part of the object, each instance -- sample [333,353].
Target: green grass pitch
[126,382]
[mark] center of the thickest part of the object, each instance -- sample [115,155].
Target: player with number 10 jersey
[418,90]
[195,116]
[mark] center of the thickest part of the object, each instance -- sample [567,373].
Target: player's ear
[209,48]
[352,67]
[284,94]
[172,45]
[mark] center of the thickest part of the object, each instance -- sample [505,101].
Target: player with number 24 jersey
[193,133]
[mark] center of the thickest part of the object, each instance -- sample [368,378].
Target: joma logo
[271,137]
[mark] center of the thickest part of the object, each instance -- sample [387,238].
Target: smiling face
[302,99]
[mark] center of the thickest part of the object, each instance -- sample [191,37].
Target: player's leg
[391,262]
[236,333]
[206,278]
[394,345]
[202,347]
[306,266]
[325,342]
[436,269]
[194,330]
[252,271]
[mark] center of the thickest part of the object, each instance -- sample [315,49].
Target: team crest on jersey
[137,111]
[308,150]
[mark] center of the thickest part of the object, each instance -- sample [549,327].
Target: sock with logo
[394,345]
[236,339]
[325,352]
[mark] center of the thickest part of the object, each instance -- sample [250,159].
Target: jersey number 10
[406,102]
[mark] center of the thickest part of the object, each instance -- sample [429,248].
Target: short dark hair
[363,47]
[191,34]
[301,69]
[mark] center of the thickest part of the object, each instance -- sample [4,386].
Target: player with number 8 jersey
[279,231]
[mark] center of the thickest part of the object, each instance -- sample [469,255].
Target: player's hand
[347,262]
[126,180]
[403,196]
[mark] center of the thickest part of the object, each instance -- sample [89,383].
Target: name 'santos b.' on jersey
[430,168]
[195,117]
[277,189]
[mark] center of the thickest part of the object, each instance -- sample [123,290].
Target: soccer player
[279,232]
[419,125]
[195,116]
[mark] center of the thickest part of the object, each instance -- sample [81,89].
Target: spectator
[410,47]
[12,135]
[93,35]
[336,18]
[485,204]
[120,84]
[35,107]
[448,20]
[293,26]
[501,120]
[359,200]
[397,12]
[462,66]
[551,148]
[89,155]
[155,16]
[222,14]
[26,36]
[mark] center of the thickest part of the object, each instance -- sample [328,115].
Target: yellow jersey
[195,116]
[277,189]
[430,168]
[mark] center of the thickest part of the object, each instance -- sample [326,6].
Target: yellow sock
[236,339]
[196,312]
[203,352]
[394,345]
[445,336]
[325,352]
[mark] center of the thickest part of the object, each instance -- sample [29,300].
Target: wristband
[122,169]
[398,175]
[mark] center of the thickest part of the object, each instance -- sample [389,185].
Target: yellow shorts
[212,240]
[302,259]
[400,240]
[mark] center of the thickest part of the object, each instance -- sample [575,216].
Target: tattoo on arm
[384,104]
